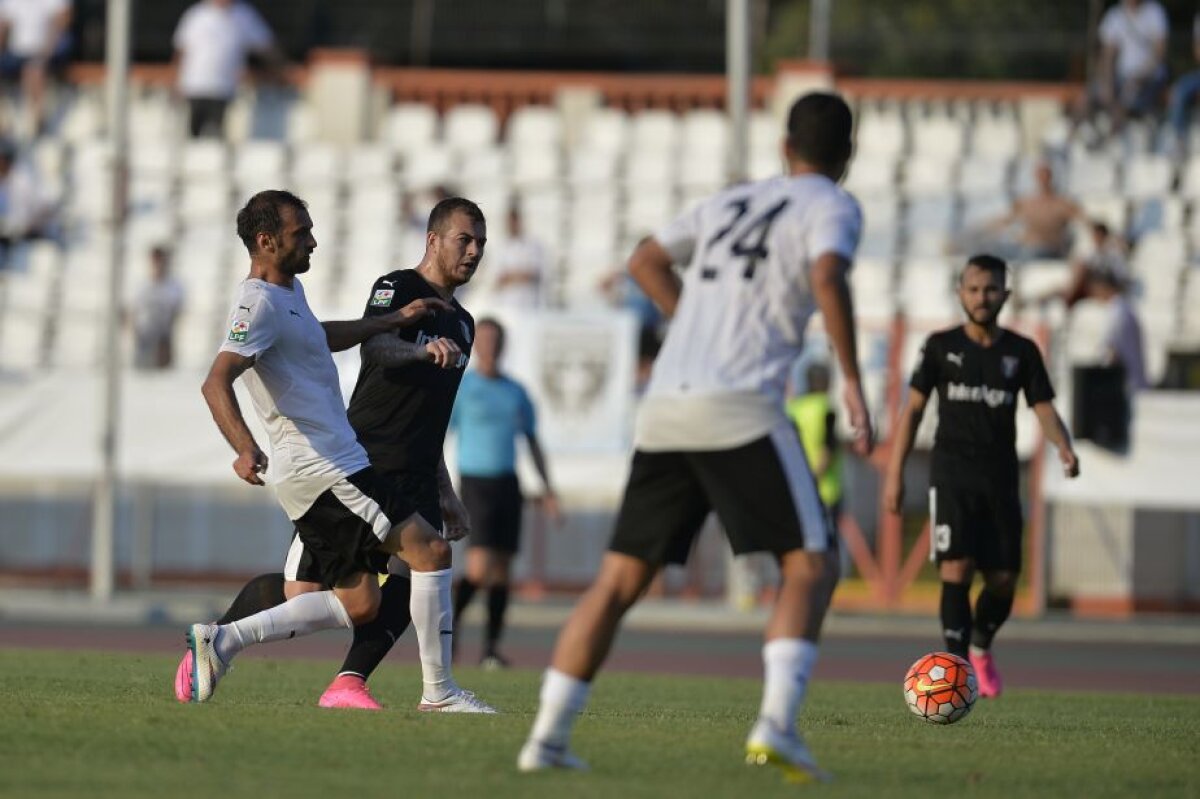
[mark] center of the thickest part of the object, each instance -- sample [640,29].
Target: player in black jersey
[400,410]
[976,522]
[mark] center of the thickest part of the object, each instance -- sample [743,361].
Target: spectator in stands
[521,271]
[24,212]
[1123,345]
[1042,221]
[154,312]
[1105,263]
[35,41]
[212,41]
[1132,71]
[1183,96]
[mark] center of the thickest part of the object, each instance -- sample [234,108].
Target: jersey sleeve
[679,237]
[925,376]
[1109,27]
[528,414]
[256,34]
[389,293]
[179,40]
[252,327]
[836,229]
[1036,385]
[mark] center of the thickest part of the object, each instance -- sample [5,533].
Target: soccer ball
[940,688]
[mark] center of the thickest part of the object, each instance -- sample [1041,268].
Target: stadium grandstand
[595,161]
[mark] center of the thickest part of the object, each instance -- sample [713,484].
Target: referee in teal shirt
[491,411]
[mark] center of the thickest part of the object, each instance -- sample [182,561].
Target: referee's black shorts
[494,505]
[763,493]
[340,534]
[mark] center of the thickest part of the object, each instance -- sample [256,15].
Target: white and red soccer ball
[940,688]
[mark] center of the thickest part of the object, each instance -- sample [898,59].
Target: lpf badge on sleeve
[383,298]
[238,331]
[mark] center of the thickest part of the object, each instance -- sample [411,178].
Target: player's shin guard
[373,640]
[991,611]
[431,615]
[956,617]
[261,593]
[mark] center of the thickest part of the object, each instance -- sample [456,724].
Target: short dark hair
[988,263]
[439,217]
[819,129]
[261,214]
[500,333]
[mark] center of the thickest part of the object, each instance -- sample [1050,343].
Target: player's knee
[361,608]
[1002,583]
[440,554]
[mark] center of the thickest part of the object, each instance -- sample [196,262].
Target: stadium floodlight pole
[104,505]
[818,31]
[737,85]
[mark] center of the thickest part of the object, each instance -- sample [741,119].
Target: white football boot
[538,756]
[787,751]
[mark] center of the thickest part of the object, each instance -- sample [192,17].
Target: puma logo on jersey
[245,307]
[955,358]
[387,282]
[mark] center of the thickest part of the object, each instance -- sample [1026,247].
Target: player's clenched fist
[249,465]
[443,352]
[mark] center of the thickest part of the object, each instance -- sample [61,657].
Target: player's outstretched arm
[650,267]
[831,290]
[222,402]
[387,349]
[342,335]
[1056,433]
[902,444]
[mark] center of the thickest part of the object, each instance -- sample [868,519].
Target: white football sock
[562,699]
[788,664]
[432,616]
[300,615]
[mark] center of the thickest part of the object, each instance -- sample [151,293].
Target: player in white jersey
[344,512]
[712,435]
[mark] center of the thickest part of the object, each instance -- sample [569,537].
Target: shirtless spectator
[1039,224]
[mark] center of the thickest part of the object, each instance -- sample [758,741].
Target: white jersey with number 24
[719,379]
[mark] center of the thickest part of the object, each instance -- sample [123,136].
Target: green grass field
[88,724]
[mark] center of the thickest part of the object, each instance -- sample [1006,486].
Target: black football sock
[262,593]
[464,592]
[991,611]
[373,640]
[497,605]
[956,617]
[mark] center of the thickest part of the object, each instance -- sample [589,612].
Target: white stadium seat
[409,127]
[654,132]
[939,136]
[1148,176]
[926,174]
[606,130]
[535,126]
[881,134]
[470,125]
[315,162]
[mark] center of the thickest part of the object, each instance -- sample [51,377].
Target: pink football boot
[349,690]
[183,678]
[990,684]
